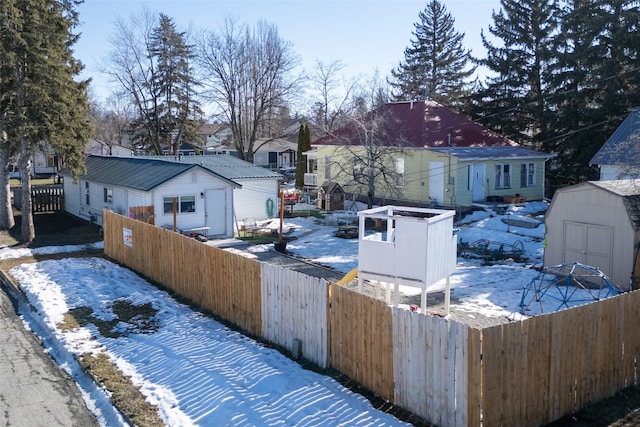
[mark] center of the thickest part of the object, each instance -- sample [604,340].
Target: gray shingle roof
[137,173]
[623,146]
[224,165]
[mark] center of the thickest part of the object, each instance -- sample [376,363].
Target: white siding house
[257,197]
[596,223]
[153,190]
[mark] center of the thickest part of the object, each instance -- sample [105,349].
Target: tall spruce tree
[596,79]
[46,103]
[151,63]
[512,100]
[304,144]
[177,112]
[436,65]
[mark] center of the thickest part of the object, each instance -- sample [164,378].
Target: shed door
[436,181]
[215,202]
[477,182]
[589,244]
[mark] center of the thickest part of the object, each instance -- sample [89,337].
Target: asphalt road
[34,391]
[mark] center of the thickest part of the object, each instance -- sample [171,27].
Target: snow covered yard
[483,293]
[194,369]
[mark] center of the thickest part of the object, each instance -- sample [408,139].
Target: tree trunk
[6,212]
[28,231]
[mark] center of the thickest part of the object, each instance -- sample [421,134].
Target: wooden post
[281,214]
[175,214]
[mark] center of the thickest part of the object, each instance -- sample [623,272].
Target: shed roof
[623,146]
[225,165]
[425,124]
[480,153]
[137,173]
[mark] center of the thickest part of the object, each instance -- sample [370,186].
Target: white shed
[417,247]
[156,191]
[596,223]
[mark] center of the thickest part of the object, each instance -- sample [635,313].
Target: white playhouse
[413,247]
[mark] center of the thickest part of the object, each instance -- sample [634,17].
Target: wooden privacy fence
[535,371]
[225,283]
[44,198]
[524,373]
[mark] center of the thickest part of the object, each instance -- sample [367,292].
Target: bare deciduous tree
[248,76]
[370,150]
[333,94]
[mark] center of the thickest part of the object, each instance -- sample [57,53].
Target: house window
[184,204]
[399,172]
[87,198]
[327,167]
[358,168]
[108,195]
[503,176]
[527,175]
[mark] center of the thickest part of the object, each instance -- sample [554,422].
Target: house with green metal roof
[187,196]
[257,199]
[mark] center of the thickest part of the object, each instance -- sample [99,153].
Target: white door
[436,181]
[215,205]
[477,182]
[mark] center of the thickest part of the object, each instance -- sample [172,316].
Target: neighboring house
[619,157]
[195,196]
[258,197]
[100,148]
[440,157]
[212,135]
[596,223]
[275,154]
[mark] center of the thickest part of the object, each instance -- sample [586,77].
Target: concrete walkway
[34,392]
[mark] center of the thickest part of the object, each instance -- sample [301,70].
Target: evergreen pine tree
[512,101]
[436,66]
[174,84]
[304,144]
[597,80]
[46,103]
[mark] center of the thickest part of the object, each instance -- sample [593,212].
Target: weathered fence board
[360,339]
[294,307]
[431,365]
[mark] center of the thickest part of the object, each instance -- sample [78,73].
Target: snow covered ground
[199,372]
